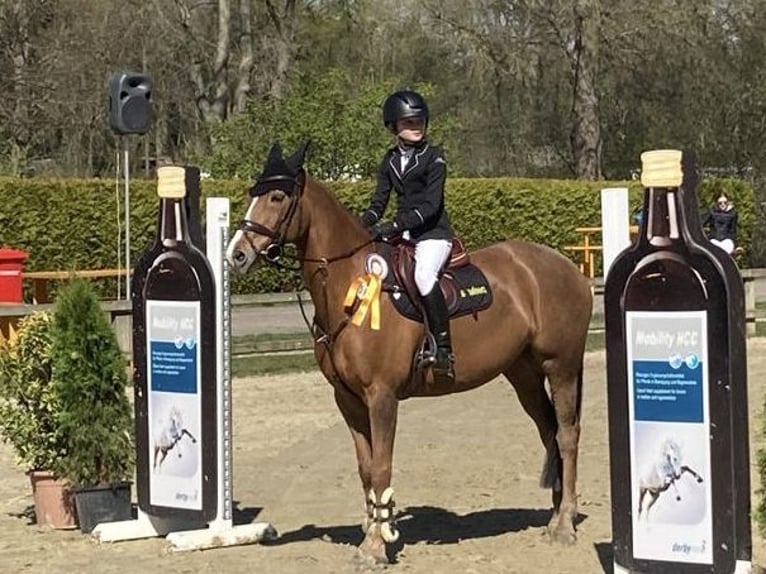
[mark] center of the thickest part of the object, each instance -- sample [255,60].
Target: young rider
[416,171]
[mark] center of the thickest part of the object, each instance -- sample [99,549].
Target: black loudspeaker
[130,103]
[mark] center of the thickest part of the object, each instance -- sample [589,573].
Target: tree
[340,116]
[558,88]
[221,58]
[522,44]
[584,57]
[22,25]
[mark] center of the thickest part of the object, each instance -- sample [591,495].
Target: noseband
[273,251]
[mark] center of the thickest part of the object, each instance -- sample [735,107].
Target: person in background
[722,222]
[638,215]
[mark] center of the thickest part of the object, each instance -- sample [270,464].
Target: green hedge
[72,224]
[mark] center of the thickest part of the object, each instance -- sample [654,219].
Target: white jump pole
[615,224]
[220,531]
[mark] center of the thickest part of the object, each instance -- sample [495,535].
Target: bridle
[274,251]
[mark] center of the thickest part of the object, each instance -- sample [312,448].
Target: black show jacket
[419,192]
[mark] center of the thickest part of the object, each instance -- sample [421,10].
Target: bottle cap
[171,182]
[661,168]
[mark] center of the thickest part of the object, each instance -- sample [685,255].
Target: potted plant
[94,417]
[29,410]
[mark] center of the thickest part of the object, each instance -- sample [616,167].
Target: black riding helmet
[404,104]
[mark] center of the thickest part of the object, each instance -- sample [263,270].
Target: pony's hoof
[562,534]
[373,549]
[368,557]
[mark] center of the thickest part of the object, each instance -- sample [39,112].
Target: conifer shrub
[91,379]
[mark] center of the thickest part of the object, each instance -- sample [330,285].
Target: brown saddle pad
[466,289]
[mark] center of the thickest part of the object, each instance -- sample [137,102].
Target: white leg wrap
[388,532]
[387,496]
[383,514]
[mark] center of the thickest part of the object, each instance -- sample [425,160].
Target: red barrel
[11,266]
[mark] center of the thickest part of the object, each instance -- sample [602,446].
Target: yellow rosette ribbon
[367,290]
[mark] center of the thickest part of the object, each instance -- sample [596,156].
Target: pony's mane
[324,188]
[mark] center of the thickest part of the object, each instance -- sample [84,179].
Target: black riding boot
[438,322]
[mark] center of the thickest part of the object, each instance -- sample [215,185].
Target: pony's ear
[275,153]
[295,161]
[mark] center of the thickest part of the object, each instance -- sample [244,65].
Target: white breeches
[725,244]
[430,257]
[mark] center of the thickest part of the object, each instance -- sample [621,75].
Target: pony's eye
[277,197]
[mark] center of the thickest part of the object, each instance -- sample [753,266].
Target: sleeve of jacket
[734,221]
[379,200]
[706,217]
[433,197]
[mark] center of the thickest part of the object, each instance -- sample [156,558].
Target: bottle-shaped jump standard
[174,348]
[676,378]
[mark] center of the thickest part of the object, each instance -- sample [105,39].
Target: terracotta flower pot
[54,502]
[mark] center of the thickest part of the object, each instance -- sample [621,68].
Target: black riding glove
[385,230]
[368,218]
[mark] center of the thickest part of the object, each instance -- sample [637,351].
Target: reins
[273,254]
[322,261]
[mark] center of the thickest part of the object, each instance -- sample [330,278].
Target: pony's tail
[551,475]
[578,407]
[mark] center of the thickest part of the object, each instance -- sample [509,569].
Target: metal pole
[119,221]
[126,163]
[217,238]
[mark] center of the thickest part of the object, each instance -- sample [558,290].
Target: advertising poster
[669,436]
[174,403]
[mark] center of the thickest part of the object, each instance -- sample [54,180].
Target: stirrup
[426,354]
[425,362]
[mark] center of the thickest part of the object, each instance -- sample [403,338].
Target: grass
[255,363]
[269,337]
[271,343]
[273,364]
[301,362]
[254,355]
[595,341]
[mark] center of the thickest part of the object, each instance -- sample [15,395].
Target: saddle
[465,288]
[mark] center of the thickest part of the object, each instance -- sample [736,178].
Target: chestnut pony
[535,329]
